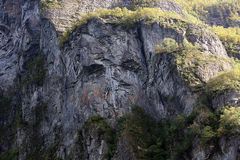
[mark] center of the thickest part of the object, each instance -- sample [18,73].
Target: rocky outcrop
[228,150]
[63,14]
[220,15]
[103,69]
[230,98]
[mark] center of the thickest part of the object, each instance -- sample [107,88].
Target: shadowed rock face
[103,69]
[19,31]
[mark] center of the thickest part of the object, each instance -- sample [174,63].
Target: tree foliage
[230,120]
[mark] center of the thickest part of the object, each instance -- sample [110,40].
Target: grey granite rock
[103,69]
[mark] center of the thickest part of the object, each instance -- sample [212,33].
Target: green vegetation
[201,8]
[35,71]
[192,12]
[190,61]
[225,81]
[230,35]
[191,5]
[153,140]
[230,121]
[172,138]
[100,125]
[127,17]
[230,38]
[168,45]
[10,155]
[204,124]
[50,4]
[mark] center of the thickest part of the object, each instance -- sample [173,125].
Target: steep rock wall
[103,69]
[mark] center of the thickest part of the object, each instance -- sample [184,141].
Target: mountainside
[119,79]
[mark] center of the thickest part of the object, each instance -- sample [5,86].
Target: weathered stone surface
[230,98]
[66,12]
[103,69]
[229,149]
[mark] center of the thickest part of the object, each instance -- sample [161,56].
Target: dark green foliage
[105,131]
[38,151]
[170,138]
[9,155]
[152,140]
[35,71]
[5,105]
[230,121]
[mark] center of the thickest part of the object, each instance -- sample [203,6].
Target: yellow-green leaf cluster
[191,61]
[167,46]
[231,34]
[230,120]
[225,81]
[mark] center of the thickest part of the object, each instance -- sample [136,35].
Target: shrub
[167,139]
[49,4]
[225,81]
[199,8]
[229,35]
[207,134]
[103,129]
[168,45]
[190,60]
[230,121]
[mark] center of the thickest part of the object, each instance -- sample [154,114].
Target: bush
[103,129]
[167,139]
[190,60]
[168,45]
[224,82]
[49,4]
[230,121]
[230,35]
[207,134]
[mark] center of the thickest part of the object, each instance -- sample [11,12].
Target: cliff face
[49,93]
[63,13]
